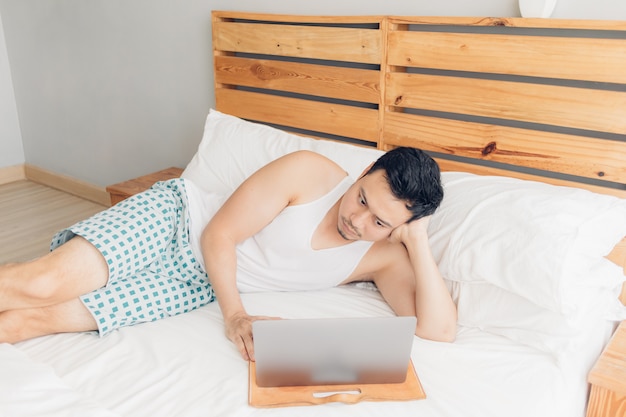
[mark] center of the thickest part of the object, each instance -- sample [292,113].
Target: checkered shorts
[152,271]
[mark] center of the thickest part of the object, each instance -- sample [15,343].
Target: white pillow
[525,260]
[494,310]
[531,239]
[232,149]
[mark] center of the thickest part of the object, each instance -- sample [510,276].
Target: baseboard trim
[68,184]
[12,173]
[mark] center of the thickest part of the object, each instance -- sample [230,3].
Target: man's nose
[358,218]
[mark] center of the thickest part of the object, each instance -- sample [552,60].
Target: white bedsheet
[184,366]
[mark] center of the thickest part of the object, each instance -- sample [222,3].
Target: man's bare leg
[69,271]
[23,324]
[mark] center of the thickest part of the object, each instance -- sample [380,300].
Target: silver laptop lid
[369,350]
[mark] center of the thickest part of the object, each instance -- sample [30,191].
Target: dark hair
[413,177]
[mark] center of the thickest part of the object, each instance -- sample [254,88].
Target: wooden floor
[30,214]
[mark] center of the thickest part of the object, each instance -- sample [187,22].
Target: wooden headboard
[540,99]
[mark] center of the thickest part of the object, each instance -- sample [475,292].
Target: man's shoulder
[309,174]
[306,159]
[299,168]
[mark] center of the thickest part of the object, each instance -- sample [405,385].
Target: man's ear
[366,170]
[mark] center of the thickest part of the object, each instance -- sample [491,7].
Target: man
[297,223]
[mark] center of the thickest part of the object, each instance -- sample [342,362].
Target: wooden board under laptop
[410,389]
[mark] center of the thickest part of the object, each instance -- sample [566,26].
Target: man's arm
[414,286]
[289,180]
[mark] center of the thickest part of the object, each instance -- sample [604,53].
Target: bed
[526,117]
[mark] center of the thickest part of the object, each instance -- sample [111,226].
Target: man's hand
[409,232]
[239,331]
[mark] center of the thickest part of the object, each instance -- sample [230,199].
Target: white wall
[11,149]
[590,9]
[111,89]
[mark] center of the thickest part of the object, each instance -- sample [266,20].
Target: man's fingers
[268,318]
[249,343]
[240,333]
[245,345]
[241,346]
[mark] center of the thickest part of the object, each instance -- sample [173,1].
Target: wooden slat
[320,80]
[608,372]
[580,108]
[510,22]
[602,60]
[449,165]
[292,18]
[334,119]
[618,256]
[605,402]
[318,42]
[580,156]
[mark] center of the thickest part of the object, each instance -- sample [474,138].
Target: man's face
[369,211]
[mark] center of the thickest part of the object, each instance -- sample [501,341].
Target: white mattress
[185,366]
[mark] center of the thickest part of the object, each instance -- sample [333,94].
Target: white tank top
[280,256]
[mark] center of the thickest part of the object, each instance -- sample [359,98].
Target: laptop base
[410,389]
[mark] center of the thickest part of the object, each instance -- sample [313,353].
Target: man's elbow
[445,334]
[449,335]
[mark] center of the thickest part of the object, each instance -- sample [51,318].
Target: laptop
[304,352]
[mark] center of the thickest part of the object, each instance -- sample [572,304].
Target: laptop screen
[370,350]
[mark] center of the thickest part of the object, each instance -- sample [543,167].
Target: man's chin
[342,234]
[346,236]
